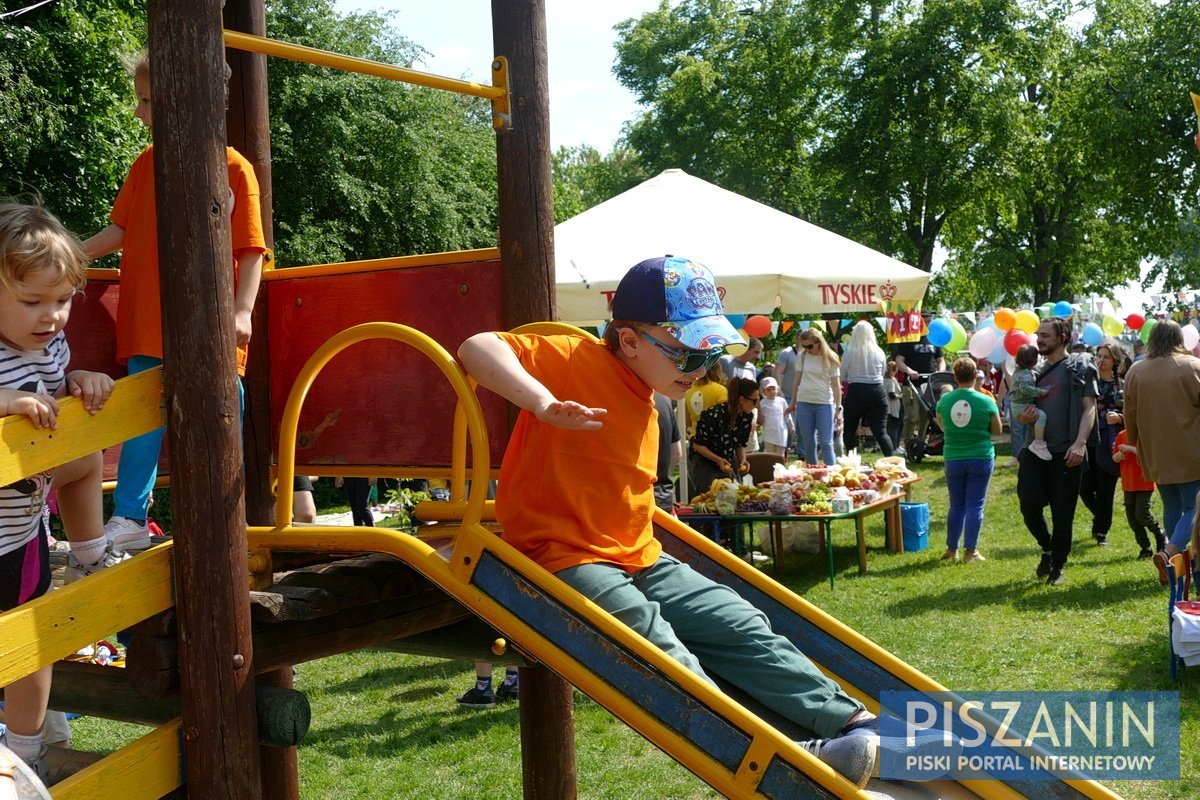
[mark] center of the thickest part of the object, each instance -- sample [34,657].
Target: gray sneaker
[76,569]
[853,757]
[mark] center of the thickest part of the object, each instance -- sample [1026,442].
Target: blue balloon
[736,320]
[1092,334]
[999,352]
[1062,309]
[940,332]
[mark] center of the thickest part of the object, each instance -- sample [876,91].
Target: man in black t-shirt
[912,360]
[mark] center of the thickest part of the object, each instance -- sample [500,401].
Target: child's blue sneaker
[477,698]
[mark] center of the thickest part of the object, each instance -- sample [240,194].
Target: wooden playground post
[200,386]
[249,132]
[527,251]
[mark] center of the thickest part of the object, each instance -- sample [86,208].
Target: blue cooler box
[914,522]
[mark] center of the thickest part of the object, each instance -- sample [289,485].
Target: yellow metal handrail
[497,93]
[472,511]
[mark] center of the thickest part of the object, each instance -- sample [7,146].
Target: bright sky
[587,104]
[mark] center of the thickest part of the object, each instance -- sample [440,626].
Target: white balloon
[982,343]
[1191,337]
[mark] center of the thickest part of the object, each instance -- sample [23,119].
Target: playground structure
[225,679]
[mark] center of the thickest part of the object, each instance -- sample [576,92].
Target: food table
[810,507]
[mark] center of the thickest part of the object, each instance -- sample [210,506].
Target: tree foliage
[66,127]
[1046,150]
[369,168]
[583,178]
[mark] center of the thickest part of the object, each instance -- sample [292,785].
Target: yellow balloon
[1111,325]
[1026,321]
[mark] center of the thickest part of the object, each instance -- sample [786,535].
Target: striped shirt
[21,502]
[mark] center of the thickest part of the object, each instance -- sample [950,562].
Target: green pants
[708,627]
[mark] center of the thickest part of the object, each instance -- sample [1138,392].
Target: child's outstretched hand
[570,415]
[41,409]
[93,388]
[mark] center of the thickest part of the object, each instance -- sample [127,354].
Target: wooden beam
[249,132]
[187,67]
[527,250]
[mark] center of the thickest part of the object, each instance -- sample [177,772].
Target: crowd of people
[1074,426]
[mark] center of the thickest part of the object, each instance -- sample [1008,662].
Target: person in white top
[863,368]
[816,396]
[774,417]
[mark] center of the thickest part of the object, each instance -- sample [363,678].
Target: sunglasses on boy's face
[686,360]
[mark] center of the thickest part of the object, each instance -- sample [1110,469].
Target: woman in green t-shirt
[969,419]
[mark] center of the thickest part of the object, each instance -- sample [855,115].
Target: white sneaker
[75,569]
[125,535]
[1038,448]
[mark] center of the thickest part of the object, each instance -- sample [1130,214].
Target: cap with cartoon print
[680,296]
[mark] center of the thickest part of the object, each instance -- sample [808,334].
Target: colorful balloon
[1063,310]
[1045,310]
[1092,334]
[1147,326]
[983,343]
[999,351]
[1135,321]
[1014,339]
[1026,321]
[1004,319]
[758,326]
[736,320]
[940,332]
[1191,337]
[1111,325]
[958,336]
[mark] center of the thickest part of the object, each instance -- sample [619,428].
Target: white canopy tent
[762,258]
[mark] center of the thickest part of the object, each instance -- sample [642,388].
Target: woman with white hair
[863,368]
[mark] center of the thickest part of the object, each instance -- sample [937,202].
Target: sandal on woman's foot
[972,556]
[950,555]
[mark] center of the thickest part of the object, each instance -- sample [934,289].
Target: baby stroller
[929,439]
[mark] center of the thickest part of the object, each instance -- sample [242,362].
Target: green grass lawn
[386,725]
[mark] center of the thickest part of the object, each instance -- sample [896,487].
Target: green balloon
[958,337]
[1144,333]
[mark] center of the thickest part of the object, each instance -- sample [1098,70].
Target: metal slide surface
[725,743]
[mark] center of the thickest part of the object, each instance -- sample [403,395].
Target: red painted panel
[92,334]
[380,402]
[92,329]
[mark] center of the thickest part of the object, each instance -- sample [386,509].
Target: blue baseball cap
[680,296]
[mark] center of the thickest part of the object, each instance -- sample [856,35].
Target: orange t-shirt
[1132,478]
[139,312]
[578,497]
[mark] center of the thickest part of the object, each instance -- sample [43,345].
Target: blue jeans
[1018,432]
[707,626]
[1179,506]
[967,481]
[814,426]
[138,467]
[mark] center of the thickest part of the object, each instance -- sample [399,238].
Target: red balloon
[757,326]
[1014,339]
[1135,321]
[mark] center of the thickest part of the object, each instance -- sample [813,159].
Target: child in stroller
[928,441]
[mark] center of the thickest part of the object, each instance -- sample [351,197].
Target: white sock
[89,552]
[26,748]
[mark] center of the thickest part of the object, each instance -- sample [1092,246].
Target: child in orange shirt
[134,231]
[41,269]
[1139,493]
[588,410]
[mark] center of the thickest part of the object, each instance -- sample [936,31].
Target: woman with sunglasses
[719,446]
[816,395]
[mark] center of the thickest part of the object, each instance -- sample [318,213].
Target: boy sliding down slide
[588,410]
